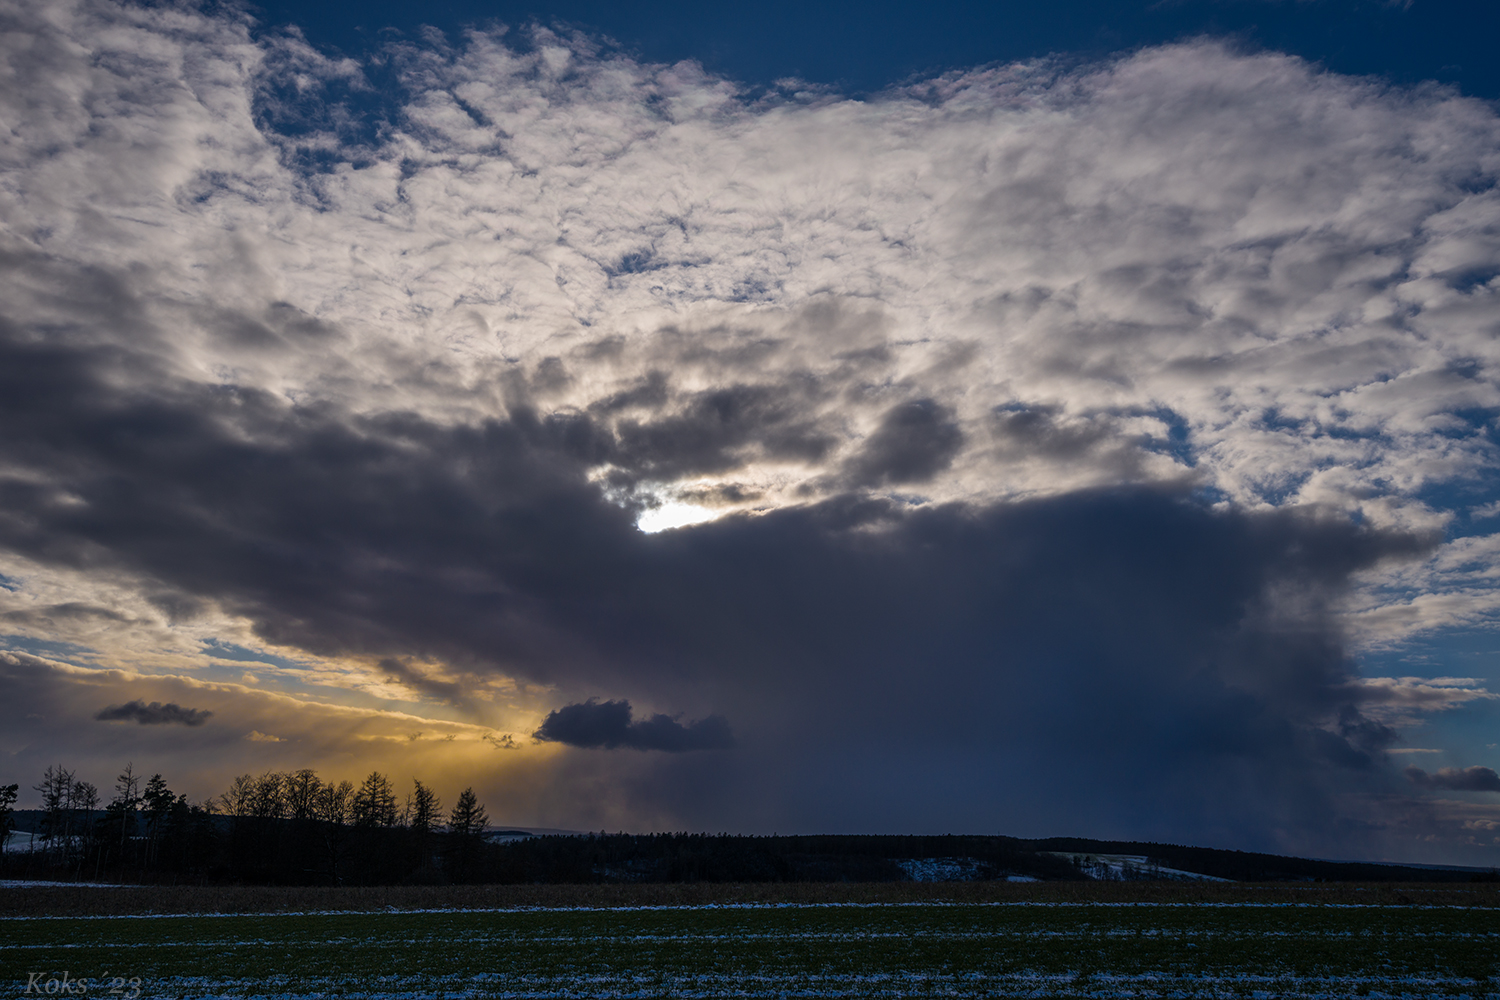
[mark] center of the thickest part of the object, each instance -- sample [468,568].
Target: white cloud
[1401,700]
[1185,266]
[1267,252]
[1454,588]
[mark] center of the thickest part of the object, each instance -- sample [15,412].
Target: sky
[1069,420]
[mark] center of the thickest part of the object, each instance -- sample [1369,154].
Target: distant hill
[1245,866]
[858,858]
[307,852]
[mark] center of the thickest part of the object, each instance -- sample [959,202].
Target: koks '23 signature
[52,984]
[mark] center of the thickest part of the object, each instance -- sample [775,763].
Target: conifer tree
[466,825]
[158,800]
[468,818]
[126,800]
[8,795]
[375,802]
[423,809]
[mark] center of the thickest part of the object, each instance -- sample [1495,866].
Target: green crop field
[800,950]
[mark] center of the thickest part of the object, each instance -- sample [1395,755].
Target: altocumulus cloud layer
[1056,434]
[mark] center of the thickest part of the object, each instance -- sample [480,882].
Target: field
[1038,943]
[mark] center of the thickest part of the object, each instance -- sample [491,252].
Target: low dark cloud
[608,725]
[1039,431]
[719,429]
[154,714]
[914,442]
[1468,779]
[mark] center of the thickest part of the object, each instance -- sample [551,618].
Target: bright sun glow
[674,515]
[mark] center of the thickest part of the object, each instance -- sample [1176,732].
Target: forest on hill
[293,828]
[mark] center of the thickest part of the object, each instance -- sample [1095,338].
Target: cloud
[340,741]
[154,714]
[256,736]
[1401,700]
[913,443]
[1468,779]
[1290,311]
[608,726]
[1189,354]
[406,673]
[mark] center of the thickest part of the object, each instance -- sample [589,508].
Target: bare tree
[331,805]
[238,801]
[301,789]
[56,788]
[83,798]
[268,796]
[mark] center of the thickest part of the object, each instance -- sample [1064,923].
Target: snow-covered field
[1130,867]
[987,950]
[19,840]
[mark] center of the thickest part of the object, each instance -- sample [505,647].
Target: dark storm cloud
[153,714]
[1468,779]
[713,429]
[914,442]
[608,725]
[1174,666]
[654,429]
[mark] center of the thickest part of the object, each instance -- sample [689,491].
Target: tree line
[279,827]
[294,828]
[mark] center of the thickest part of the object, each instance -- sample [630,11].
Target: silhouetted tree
[375,802]
[301,789]
[422,809]
[125,801]
[268,796]
[466,832]
[333,802]
[158,800]
[83,799]
[237,800]
[60,792]
[8,795]
[423,818]
[331,807]
[468,818]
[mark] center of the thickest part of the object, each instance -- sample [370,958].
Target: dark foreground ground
[1138,940]
[92,900]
